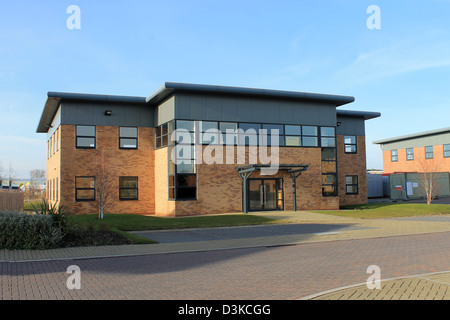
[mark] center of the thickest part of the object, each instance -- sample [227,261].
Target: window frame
[394,157]
[409,154]
[355,145]
[84,136]
[123,188]
[76,189]
[427,153]
[129,138]
[446,151]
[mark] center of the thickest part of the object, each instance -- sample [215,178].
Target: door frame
[278,182]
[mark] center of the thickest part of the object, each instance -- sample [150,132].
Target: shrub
[26,231]
[59,214]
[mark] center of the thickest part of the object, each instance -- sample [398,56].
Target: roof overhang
[55,98]
[366,115]
[413,136]
[169,88]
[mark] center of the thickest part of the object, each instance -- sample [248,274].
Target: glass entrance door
[265,194]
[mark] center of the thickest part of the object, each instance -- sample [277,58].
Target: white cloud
[400,58]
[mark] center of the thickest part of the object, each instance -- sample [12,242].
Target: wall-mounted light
[108,112]
[339,124]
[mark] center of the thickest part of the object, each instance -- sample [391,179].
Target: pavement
[293,228]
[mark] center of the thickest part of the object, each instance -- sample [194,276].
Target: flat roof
[171,87]
[413,136]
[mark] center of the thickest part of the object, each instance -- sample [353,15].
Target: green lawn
[390,210]
[121,223]
[132,222]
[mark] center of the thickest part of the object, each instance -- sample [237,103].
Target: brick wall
[402,165]
[82,162]
[352,164]
[219,187]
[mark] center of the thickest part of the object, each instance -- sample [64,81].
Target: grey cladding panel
[432,140]
[94,114]
[251,109]
[351,126]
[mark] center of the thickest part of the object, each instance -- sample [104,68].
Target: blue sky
[132,47]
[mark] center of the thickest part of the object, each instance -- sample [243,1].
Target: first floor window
[128,188]
[446,150]
[350,144]
[429,152]
[409,154]
[329,184]
[351,184]
[394,155]
[85,137]
[84,188]
[128,137]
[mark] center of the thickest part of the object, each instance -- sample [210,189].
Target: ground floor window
[84,188]
[351,184]
[128,188]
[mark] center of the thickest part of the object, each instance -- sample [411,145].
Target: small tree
[428,177]
[35,176]
[104,184]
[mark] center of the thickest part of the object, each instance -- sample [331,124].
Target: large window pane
[292,141]
[309,131]
[183,124]
[86,131]
[292,130]
[309,141]
[128,132]
[327,132]
[328,142]
[128,188]
[85,142]
[128,143]
[272,129]
[186,180]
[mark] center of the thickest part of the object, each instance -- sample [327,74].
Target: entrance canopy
[294,170]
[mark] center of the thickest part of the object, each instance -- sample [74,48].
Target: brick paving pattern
[286,272]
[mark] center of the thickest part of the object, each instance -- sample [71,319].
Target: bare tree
[428,177]
[104,184]
[2,171]
[35,176]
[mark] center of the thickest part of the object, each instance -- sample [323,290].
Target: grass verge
[389,210]
[121,223]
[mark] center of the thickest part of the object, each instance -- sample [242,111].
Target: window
[85,137]
[329,184]
[328,137]
[128,188]
[429,152]
[209,132]
[309,137]
[351,184]
[163,135]
[446,150]
[394,155]
[273,129]
[128,137]
[182,172]
[329,180]
[350,144]
[409,154]
[249,136]
[228,138]
[292,136]
[84,188]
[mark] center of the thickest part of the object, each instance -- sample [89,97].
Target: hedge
[28,231]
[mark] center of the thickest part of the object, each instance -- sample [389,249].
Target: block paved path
[274,272]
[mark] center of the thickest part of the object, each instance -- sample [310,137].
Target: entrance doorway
[265,194]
